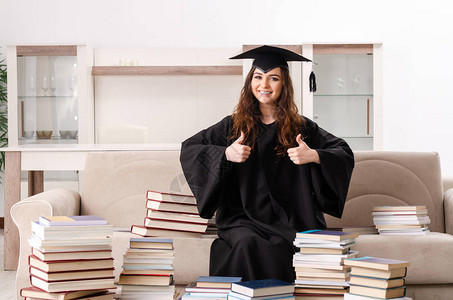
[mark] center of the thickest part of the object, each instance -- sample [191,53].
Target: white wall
[416,36]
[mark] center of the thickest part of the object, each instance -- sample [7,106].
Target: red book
[33,292]
[51,256]
[71,275]
[73,285]
[175,225]
[172,207]
[172,216]
[170,197]
[69,265]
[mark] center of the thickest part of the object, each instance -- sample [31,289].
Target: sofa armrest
[53,202]
[448,209]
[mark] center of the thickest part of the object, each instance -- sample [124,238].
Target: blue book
[263,287]
[217,281]
[237,296]
[327,235]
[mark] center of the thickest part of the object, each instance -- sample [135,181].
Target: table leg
[12,195]
[35,182]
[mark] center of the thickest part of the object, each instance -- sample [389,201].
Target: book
[158,253]
[150,243]
[357,229]
[263,287]
[52,256]
[172,207]
[321,282]
[175,225]
[70,265]
[384,274]
[327,235]
[146,260]
[239,296]
[36,242]
[402,208]
[149,232]
[322,273]
[378,292]
[377,282]
[73,232]
[148,272]
[58,276]
[190,296]
[332,290]
[171,197]
[324,257]
[216,281]
[300,264]
[145,279]
[349,296]
[323,250]
[33,292]
[72,220]
[172,216]
[376,263]
[72,285]
[192,288]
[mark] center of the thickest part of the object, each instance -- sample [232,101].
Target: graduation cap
[269,57]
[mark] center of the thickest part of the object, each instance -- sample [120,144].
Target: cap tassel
[312,81]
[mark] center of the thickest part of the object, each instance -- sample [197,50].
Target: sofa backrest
[393,178]
[114,184]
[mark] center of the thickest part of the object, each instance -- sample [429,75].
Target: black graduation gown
[261,203]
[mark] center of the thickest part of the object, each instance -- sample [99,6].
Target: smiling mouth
[264,93]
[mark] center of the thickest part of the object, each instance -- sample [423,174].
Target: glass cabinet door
[47,98]
[343,102]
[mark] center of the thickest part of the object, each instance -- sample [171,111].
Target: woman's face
[267,87]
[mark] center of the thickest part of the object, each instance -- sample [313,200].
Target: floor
[7,278]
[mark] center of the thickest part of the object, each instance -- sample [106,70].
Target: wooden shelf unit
[165,70]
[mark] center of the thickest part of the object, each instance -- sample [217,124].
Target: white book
[324,257]
[322,282]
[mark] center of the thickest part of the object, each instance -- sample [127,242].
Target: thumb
[240,139]
[299,139]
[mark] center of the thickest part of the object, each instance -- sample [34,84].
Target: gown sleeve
[331,177]
[204,165]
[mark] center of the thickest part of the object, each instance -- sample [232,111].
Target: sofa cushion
[429,255]
[393,178]
[114,184]
[191,255]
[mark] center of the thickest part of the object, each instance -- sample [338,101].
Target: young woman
[266,172]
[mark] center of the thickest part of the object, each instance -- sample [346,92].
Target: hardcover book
[263,287]
[74,232]
[70,265]
[172,207]
[161,280]
[396,208]
[149,232]
[170,197]
[175,225]
[327,235]
[376,282]
[72,285]
[52,256]
[217,281]
[72,220]
[349,296]
[172,216]
[75,275]
[33,292]
[376,263]
[378,292]
[385,274]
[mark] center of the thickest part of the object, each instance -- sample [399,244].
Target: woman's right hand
[237,152]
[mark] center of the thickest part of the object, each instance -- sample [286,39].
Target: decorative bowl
[64,134]
[44,134]
[73,134]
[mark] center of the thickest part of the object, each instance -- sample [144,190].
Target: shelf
[342,95]
[44,97]
[57,50]
[165,70]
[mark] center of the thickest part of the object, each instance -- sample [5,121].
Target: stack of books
[377,277]
[319,265]
[262,290]
[70,256]
[210,288]
[401,220]
[148,270]
[171,215]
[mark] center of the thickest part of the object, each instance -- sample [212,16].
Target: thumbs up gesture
[237,152]
[302,154]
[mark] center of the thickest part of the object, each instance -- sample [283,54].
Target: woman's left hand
[303,154]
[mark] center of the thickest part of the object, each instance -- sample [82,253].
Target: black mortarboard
[269,57]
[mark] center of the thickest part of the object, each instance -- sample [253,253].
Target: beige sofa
[114,186]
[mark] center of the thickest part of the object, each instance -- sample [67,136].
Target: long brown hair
[247,115]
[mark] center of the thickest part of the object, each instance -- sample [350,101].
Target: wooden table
[37,158]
